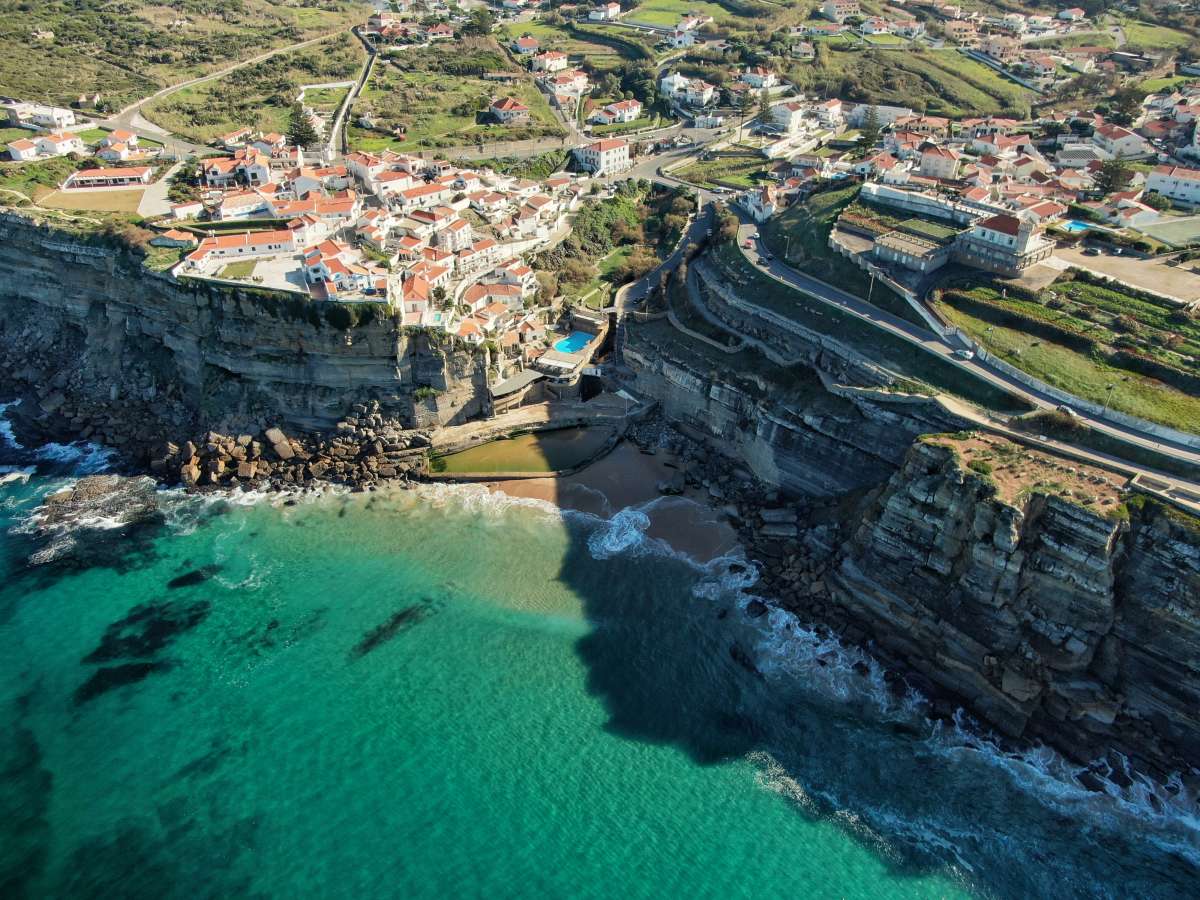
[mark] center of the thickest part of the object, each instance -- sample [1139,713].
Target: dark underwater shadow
[679,670]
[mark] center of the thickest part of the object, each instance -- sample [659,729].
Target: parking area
[1151,274]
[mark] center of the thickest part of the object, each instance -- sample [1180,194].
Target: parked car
[1091,251]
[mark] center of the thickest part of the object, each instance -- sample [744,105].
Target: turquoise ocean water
[442,693]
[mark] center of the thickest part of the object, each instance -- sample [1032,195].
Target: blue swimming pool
[573,342]
[1074,225]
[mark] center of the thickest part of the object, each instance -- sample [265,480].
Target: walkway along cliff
[1047,618]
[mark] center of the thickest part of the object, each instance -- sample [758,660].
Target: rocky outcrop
[791,432]
[1051,621]
[84,321]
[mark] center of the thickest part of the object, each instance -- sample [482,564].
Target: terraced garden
[1104,344]
[941,82]
[726,171]
[129,50]
[898,355]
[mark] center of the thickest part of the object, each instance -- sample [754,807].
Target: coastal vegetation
[534,167]
[615,241]
[1131,351]
[58,51]
[800,234]
[261,96]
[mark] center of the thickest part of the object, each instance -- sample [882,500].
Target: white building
[1175,183]
[789,116]
[1117,141]
[621,112]
[52,117]
[606,12]
[939,162]
[840,10]
[604,157]
[550,61]
[59,143]
[699,93]
[759,77]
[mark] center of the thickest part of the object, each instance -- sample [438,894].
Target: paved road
[130,117]
[636,292]
[759,256]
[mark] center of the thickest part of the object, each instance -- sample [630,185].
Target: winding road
[130,117]
[759,256]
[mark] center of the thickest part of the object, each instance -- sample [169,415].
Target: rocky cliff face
[1051,620]
[791,432]
[89,321]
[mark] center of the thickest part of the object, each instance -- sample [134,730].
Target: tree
[1126,104]
[1114,175]
[481,21]
[1156,201]
[300,130]
[764,105]
[870,127]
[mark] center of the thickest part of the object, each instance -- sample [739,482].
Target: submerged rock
[110,677]
[91,521]
[385,631]
[147,629]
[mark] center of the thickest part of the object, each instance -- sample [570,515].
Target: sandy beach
[628,477]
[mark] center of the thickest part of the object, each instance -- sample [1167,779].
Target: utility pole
[1108,397]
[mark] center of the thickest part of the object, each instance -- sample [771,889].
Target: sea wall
[83,320]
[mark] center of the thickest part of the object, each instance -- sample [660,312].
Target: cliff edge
[1020,584]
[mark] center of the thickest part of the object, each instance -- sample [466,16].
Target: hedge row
[1019,321]
[1153,368]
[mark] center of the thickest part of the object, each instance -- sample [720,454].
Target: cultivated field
[1099,342]
[940,82]
[668,12]
[94,200]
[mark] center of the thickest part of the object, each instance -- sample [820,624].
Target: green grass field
[1177,232]
[33,180]
[325,100]
[1101,39]
[669,12]
[726,171]
[7,135]
[1083,375]
[94,201]
[1158,85]
[886,40]
[1153,37]
[243,268]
